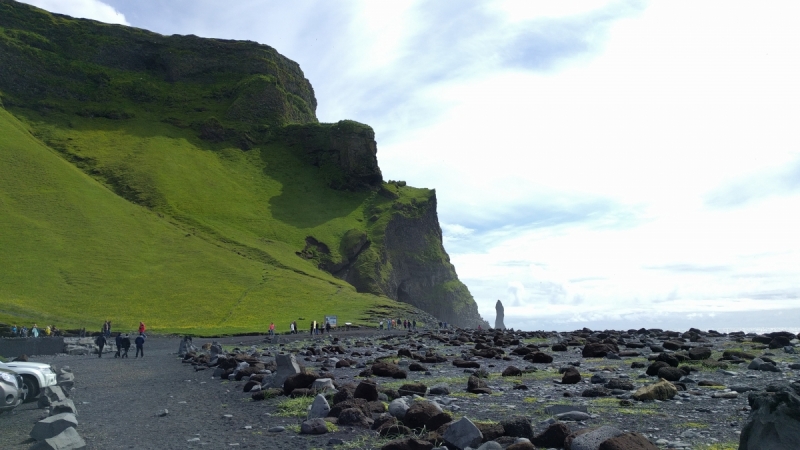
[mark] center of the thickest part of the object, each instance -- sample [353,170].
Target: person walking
[272,328]
[125,344]
[139,345]
[118,342]
[142,328]
[312,328]
[101,342]
[35,331]
[14,330]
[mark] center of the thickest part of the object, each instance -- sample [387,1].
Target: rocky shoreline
[371,389]
[517,390]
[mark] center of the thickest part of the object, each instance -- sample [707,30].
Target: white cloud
[576,148]
[86,9]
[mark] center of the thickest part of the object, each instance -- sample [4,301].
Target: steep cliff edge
[220,139]
[420,272]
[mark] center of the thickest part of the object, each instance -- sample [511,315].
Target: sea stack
[498,321]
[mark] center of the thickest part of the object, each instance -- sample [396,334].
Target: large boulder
[383,369]
[670,373]
[53,426]
[413,389]
[552,437]
[50,395]
[594,438]
[287,366]
[463,434]
[314,426]
[699,353]
[628,441]
[319,408]
[354,416]
[419,413]
[398,408]
[367,390]
[538,357]
[598,350]
[662,390]
[66,440]
[476,385]
[64,406]
[571,376]
[774,421]
[300,380]
[518,427]
[186,346]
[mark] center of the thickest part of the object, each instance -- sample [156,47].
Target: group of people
[397,323]
[123,342]
[34,331]
[316,328]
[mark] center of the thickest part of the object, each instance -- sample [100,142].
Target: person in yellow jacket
[47,330]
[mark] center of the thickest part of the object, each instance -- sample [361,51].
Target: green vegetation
[186,182]
[294,407]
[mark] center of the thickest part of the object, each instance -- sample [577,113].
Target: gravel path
[118,402]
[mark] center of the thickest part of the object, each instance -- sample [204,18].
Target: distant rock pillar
[498,321]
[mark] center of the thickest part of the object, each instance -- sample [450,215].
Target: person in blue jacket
[139,345]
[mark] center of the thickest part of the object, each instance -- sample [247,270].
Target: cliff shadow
[306,201]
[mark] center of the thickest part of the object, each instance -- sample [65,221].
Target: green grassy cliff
[186,182]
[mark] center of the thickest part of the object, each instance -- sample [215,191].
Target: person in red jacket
[141,327]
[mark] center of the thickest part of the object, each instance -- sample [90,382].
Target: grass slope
[74,253]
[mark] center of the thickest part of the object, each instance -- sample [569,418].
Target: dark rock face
[420,281]
[346,152]
[498,320]
[774,422]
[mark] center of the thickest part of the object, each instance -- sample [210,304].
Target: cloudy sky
[597,163]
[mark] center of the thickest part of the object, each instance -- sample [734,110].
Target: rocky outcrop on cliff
[412,266]
[346,152]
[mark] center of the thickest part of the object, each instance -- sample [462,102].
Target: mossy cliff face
[410,263]
[52,62]
[345,151]
[421,271]
[220,139]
